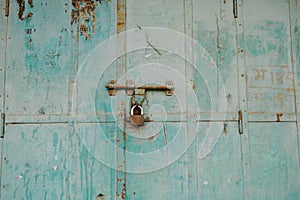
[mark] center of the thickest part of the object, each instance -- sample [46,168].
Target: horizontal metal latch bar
[132,89]
[146,87]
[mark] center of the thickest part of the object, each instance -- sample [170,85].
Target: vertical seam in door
[294,63]
[242,98]
[121,70]
[4,94]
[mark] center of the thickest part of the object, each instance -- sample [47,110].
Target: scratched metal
[60,144]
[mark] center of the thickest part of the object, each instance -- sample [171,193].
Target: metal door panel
[95,26]
[274,161]
[220,173]
[165,175]
[156,64]
[167,183]
[34,162]
[91,32]
[213,25]
[93,102]
[38,55]
[268,61]
[58,64]
[95,164]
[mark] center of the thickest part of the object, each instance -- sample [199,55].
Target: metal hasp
[139,89]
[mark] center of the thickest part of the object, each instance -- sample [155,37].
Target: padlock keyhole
[137,111]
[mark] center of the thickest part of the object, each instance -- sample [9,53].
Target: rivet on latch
[112,92]
[130,84]
[170,88]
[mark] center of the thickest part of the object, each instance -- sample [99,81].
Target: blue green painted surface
[66,139]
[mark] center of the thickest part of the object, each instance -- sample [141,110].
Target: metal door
[229,131]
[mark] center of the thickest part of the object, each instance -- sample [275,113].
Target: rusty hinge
[2,125]
[235,12]
[7,8]
[240,122]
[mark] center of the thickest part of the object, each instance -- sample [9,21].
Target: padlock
[137,115]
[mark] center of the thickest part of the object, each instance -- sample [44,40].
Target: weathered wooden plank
[34,162]
[275,171]
[268,61]
[37,61]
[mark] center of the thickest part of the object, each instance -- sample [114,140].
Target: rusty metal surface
[230,129]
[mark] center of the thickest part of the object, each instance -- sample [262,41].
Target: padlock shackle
[133,107]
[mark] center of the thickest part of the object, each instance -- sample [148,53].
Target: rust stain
[22,8]
[273,88]
[151,138]
[278,116]
[121,16]
[84,14]
[30,2]
[124,191]
[225,128]
[240,115]
[229,97]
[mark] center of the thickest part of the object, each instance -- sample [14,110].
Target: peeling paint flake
[22,8]
[84,14]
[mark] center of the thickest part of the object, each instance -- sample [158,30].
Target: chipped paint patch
[22,8]
[84,14]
